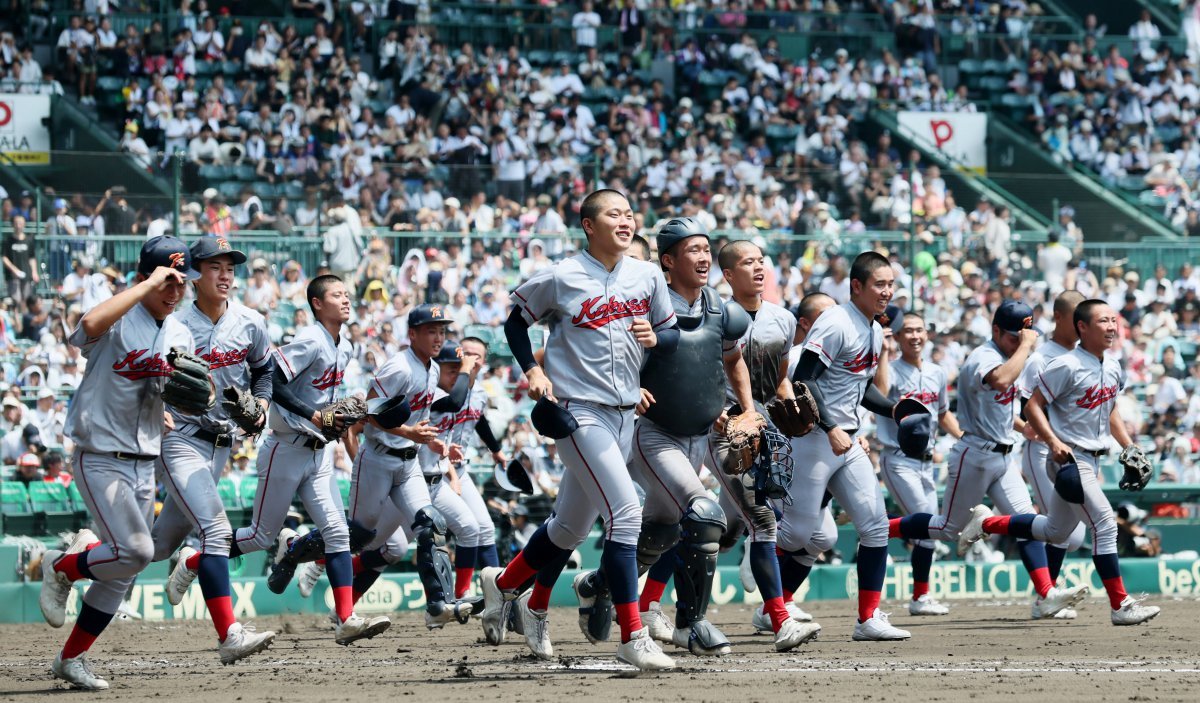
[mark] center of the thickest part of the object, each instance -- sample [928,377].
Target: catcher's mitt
[744,434]
[1137,468]
[189,389]
[795,418]
[244,409]
[337,417]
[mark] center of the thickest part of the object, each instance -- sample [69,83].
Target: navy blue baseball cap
[166,251]
[892,318]
[212,247]
[451,353]
[427,314]
[1013,316]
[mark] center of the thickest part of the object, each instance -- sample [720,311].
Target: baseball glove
[1137,468]
[337,417]
[244,409]
[744,434]
[795,418]
[189,389]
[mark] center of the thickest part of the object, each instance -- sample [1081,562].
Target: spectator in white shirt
[585,22]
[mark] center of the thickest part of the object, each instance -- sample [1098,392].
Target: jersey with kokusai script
[407,376]
[236,343]
[1081,391]
[983,411]
[591,353]
[926,384]
[313,364]
[118,407]
[444,423]
[848,343]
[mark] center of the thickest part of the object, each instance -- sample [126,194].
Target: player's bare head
[639,248]
[744,267]
[328,299]
[912,335]
[474,346]
[811,307]
[872,283]
[1064,308]
[1097,324]
[607,220]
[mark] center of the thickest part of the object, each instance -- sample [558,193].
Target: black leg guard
[360,536]
[655,540]
[306,548]
[433,559]
[702,527]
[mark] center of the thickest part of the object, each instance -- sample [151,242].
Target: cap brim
[238,257]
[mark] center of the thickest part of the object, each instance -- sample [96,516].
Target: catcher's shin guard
[360,536]
[655,540]
[306,548]
[433,559]
[702,527]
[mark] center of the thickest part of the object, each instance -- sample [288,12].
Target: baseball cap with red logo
[1013,316]
[166,251]
[212,247]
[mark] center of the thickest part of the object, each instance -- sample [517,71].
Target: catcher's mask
[772,469]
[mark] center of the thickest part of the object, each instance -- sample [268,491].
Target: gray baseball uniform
[910,481]
[1081,391]
[1035,454]
[764,346]
[236,343]
[465,422]
[978,463]
[848,343]
[594,363]
[459,516]
[293,457]
[116,423]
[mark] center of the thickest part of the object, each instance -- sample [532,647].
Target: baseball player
[1035,452]
[978,463]
[837,364]
[603,309]
[233,340]
[764,347]
[1074,412]
[116,421]
[910,479]
[474,418]
[795,566]
[293,457]
[389,494]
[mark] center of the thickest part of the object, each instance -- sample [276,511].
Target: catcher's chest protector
[689,385]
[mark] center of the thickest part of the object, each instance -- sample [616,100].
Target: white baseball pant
[460,519]
[667,467]
[911,484]
[1035,457]
[975,471]
[478,508]
[1096,513]
[189,468]
[386,493]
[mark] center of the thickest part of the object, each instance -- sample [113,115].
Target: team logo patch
[1027,323]
[420,401]
[136,366]
[219,359]
[177,260]
[1008,396]
[594,314]
[435,313]
[330,379]
[1096,396]
[925,396]
[223,244]
[861,362]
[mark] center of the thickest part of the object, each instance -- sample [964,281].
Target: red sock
[516,573]
[1041,580]
[343,602]
[539,599]
[221,610]
[91,546]
[356,565]
[652,592]
[628,618]
[868,602]
[192,562]
[920,588]
[462,581]
[997,525]
[79,642]
[1116,591]
[788,597]
[777,611]
[69,565]
[894,527]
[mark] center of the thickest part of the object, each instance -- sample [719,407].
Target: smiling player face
[611,231]
[216,279]
[689,262]
[161,302]
[334,306]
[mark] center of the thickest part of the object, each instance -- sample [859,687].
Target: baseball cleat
[81,540]
[282,568]
[746,573]
[926,605]
[126,613]
[762,622]
[438,615]
[241,641]
[56,588]
[536,625]
[660,626]
[798,614]
[77,672]
[1066,614]
[878,628]
[497,605]
[792,634]
[973,531]
[642,652]
[1057,599]
[1132,612]
[310,573]
[181,577]
[356,627]
[595,607]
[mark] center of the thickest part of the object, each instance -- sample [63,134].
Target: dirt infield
[983,651]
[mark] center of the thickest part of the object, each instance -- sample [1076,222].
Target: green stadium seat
[994,84]
[228,491]
[247,490]
[244,172]
[1152,199]
[214,173]
[231,190]
[19,518]
[206,68]
[344,488]
[76,497]
[994,66]
[109,84]
[52,500]
[968,66]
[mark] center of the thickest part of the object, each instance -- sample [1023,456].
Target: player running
[1074,410]
[116,421]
